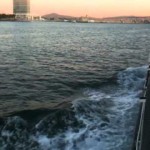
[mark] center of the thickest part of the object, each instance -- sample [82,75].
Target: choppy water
[99,68]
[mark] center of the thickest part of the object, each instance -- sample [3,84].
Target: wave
[132,78]
[98,119]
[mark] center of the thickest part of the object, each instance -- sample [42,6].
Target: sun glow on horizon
[95,8]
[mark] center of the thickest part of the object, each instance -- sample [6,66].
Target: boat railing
[142,113]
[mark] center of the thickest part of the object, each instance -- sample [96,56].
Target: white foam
[44,142]
[108,116]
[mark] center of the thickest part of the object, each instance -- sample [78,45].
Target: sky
[93,8]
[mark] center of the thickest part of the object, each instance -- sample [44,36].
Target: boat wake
[99,119]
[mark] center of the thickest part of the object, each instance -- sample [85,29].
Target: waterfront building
[21,9]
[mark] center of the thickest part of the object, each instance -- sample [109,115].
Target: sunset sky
[95,8]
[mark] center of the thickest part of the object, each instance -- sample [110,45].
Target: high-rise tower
[21,8]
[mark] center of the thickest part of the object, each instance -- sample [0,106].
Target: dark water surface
[44,63]
[98,67]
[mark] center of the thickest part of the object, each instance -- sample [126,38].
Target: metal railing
[141,120]
[140,129]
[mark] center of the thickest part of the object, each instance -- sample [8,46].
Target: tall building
[21,8]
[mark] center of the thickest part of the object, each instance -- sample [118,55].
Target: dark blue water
[44,67]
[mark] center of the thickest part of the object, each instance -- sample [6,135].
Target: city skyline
[95,8]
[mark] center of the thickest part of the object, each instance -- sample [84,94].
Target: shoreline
[74,22]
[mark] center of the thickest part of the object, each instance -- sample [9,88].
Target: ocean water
[70,86]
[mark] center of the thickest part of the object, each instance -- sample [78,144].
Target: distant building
[21,9]
[91,21]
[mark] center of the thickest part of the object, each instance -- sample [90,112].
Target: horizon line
[84,15]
